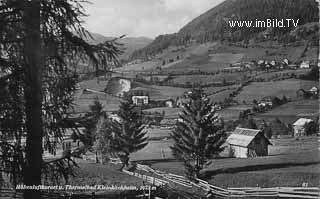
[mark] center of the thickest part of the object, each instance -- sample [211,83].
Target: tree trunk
[33,98]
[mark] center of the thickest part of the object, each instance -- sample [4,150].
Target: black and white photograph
[159,99]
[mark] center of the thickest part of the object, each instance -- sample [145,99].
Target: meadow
[161,92]
[277,88]
[292,111]
[290,162]
[228,58]
[168,112]
[207,79]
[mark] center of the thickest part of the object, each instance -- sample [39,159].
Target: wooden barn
[245,143]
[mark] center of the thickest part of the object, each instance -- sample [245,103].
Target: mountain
[214,25]
[130,44]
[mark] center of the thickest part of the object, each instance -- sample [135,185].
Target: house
[314,91]
[260,62]
[299,127]
[182,101]
[311,93]
[305,64]
[169,103]
[245,143]
[216,107]
[292,66]
[140,100]
[266,102]
[285,61]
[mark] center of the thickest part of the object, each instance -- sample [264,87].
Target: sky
[147,18]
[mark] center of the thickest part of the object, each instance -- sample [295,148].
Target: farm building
[169,103]
[305,64]
[266,102]
[314,90]
[299,127]
[245,143]
[285,61]
[140,100]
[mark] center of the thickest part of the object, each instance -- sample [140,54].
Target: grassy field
[228,58]
[93,84]
[219,97]
[270,75]
[208,78]
[168,112]
[232,113]
[155,151]
[161,92]
[292,111]
[290,163]
[277,88]
[150,65]
[97,174]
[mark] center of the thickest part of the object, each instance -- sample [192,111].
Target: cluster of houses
[268,65]
[310,93]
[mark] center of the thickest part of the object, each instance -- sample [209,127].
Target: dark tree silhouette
[199,134]
[35,55]
[124,136]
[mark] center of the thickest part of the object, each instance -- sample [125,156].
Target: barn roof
[302,122]
[243,136]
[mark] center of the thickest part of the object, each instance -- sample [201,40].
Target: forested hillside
[213,24]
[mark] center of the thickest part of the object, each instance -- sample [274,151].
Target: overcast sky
[147,18]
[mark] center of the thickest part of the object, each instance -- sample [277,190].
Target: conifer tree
[37,41]
[124,136]
[199,134]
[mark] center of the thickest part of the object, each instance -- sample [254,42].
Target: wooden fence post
[93,195]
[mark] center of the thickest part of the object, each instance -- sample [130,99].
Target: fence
[211,190]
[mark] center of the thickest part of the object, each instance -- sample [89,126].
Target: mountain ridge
[212,25]
[130,44]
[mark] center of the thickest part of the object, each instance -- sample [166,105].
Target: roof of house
[313,89]
[302,122]
[243,136]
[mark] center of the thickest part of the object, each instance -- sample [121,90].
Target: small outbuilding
[245,143]
[299,127]
[169,103]
[305,64]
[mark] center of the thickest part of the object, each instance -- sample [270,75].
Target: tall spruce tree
[37,41]
[198,135]
[124,136]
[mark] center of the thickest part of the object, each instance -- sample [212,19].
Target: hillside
[130,44]
[213,24]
